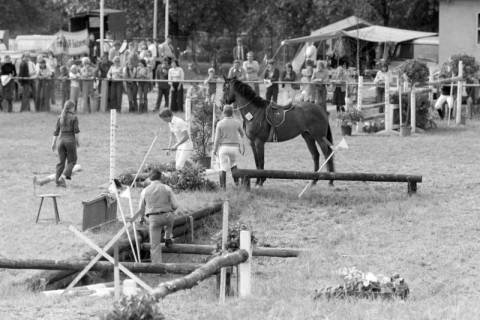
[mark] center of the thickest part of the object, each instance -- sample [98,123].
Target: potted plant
[201,132]
[348,119]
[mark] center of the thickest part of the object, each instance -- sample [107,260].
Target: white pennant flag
[126,193]
[342,145]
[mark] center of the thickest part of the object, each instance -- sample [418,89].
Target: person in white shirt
[380,82]
[251,68]
[166,50]
[176,74]
[179,132]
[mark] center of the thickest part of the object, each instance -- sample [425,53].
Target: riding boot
[223,180]
[235,179]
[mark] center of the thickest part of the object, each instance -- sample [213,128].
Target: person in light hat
[228,144]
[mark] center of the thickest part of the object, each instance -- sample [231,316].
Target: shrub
[470,66]
[202,129]
[415,71]
[422,104]
[350,117]
[135,307]
[233,238]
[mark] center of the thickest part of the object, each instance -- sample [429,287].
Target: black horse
[305,118]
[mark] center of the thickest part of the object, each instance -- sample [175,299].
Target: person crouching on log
[66,131]
[228,144]
[158,203]
[179,131]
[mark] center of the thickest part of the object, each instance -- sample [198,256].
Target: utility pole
[155,18]
[102,30]
[167,9]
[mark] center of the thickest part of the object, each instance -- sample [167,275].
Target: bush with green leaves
[422,103]
[201,130]
[470,66]
[143,307]
[233,238]
[416,71]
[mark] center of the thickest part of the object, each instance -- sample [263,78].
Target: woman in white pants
[228,144]
[179,131]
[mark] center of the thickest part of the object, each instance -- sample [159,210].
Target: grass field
[431,238]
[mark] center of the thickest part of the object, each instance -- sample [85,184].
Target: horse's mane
[247,91]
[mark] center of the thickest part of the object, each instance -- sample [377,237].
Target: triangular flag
[342,144]
[126,193]
[112,188]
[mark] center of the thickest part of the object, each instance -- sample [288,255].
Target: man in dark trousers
[163,87]
[158,203]
[240,51]
[271,75]
[8,84]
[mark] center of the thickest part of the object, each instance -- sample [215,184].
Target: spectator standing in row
[44,76]
[114,51]
[163,87]
[26,70]
[320,78]
[211,84]
[310,53]
[74,84]
[380,82]
[166,50]
[251,69]
[102,72]
[130,73]
[239,51]
[52,64]
[236,71]
[8,84]
[64,83]
[87,73]
[115,74]
[92,48]
[143,73]
[175,74]
[307,86]
[340,78]
[289,76]
[271,76]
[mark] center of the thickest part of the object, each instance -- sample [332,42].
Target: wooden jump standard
[246,174]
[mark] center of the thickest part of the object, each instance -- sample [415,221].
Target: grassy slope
[430,239]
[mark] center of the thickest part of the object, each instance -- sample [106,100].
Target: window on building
[478,28]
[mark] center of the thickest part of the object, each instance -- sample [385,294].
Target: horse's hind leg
[310,141]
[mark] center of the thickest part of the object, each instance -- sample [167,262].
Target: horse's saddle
[275,115]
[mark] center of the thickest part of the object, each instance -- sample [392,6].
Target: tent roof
[429,40]
[386,34]
[334,28]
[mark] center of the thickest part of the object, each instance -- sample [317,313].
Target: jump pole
[413,109]
[359,93]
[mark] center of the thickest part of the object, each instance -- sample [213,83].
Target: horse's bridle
[243,106]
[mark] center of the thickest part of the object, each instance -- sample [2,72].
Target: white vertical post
[188,112]
[430,93]
[400,92]
[459,93]
[413,109]
[223,271]
[245,268]
[113,126]
[167,9]
[155,18]
[359,92]
[388,107]
[213,161]
[116,272]
[102,29]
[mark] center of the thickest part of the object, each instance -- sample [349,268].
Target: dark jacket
[9,68]
[275,76]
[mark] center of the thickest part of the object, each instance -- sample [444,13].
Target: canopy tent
[349,23]
[386,34]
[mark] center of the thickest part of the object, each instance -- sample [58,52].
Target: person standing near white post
[179,131]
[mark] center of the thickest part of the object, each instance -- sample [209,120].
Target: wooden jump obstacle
[246,174]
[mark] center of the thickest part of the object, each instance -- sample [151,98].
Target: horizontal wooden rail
[247,174]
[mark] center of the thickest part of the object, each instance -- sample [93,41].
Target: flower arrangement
[350,117]
[357,284]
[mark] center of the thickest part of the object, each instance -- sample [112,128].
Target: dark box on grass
[98,211]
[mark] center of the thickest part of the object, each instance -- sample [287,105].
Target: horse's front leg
[260,146]
[255,156]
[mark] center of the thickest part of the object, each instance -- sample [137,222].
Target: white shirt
[153,49]
[178,127]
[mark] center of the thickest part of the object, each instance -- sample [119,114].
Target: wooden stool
[42,197]
[55,206]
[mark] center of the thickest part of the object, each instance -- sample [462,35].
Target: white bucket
[129,287]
